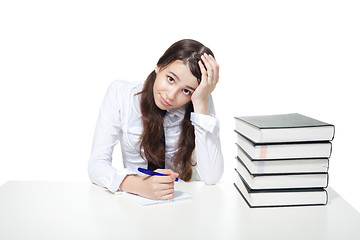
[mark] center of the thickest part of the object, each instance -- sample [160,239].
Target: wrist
[130,184]
[201,107]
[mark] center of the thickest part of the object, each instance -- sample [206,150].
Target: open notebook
[178,196]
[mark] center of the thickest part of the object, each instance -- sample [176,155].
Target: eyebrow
[180,80]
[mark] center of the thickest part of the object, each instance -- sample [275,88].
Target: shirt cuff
[207,122]
[118,177]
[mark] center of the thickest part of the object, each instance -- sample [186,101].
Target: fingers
[173,175]
[212,68]
[203,71]
[167,196]
[162,187]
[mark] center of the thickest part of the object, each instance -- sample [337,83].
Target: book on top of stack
[283,160]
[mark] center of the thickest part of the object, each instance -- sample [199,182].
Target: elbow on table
[211,179]
[91,175]
[210,182]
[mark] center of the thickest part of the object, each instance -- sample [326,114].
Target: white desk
[81,210]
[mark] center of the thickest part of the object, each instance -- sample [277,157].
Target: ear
[156,69]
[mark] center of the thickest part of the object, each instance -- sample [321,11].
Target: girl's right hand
[153,187]
[160,187]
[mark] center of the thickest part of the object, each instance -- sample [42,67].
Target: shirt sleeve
[106,136]
[208,155]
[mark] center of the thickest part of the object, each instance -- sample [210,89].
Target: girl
[166,124]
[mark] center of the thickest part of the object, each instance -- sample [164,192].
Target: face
[173,85]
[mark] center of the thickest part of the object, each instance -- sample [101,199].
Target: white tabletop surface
[81,210]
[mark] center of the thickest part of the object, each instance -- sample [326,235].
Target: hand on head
[209,79]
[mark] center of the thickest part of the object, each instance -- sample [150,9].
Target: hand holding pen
[158,185]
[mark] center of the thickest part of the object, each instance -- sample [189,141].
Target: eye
[170,79]
[186,92]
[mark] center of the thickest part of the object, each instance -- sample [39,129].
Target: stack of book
[283,160]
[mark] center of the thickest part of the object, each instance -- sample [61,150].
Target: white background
[57,59]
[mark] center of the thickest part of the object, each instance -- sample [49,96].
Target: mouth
[164,102]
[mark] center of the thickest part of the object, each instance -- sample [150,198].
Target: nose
[171,94]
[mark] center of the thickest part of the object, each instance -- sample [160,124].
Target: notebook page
[178,196]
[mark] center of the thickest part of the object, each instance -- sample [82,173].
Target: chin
[159,105]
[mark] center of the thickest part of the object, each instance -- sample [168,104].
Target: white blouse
[120,120]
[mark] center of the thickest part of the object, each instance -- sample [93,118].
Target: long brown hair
[152,138]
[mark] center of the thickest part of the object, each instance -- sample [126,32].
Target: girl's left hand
[209,79]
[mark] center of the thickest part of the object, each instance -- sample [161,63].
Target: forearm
[208,152]
[210,163]
[102,173]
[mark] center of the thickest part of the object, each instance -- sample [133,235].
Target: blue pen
[151,173]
